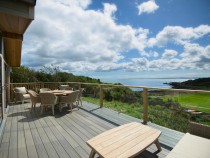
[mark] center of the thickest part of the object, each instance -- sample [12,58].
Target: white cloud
[192,50]
[202,30]
[147,7]
[153,54]
[197,55]
[178,35]
[80,36]
[194,57]
[168,54]
[80,3]
[109,9]
[77,39]
[207,51]
[142,62]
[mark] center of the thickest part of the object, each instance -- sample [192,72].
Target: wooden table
[124,141]
[60,92]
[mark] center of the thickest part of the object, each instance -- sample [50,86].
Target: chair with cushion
[21,94]
[48,99]
[65,87]
[199,129]
[35,98]
[79,100]
[44,90]
[191,146]
[69,99]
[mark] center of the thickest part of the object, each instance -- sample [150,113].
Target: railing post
[79,85]
[42,84]
[8,83]
[145,102]
[11,92]
[101,96]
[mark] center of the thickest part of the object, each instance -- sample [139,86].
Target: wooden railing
[54,85]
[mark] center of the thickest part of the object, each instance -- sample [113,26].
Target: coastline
[196,84]
[146,82]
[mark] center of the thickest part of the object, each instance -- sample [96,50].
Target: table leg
[53,110]
[92,153]
[42,109]
[31,107]
[60,107]
[158,145]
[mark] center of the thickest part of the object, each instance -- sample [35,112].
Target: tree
[43,77]
[52,69]
[23,74]
[50,73]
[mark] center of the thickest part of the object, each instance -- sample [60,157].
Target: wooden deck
[65,134]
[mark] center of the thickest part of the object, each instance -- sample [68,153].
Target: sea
[145,82]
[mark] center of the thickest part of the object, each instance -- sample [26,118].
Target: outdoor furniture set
[49,97]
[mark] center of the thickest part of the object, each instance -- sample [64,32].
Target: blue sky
[121,38]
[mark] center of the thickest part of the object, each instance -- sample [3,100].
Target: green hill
[198,84]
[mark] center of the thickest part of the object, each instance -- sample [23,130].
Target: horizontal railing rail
[54,85]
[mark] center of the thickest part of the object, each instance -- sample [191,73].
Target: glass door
[1,101]
[3,82]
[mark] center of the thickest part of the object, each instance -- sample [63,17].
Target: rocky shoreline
[196,84]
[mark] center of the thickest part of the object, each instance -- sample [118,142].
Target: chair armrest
[19,96]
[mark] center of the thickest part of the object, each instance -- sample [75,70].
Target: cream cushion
[26,96]
[191,146]
[20,90]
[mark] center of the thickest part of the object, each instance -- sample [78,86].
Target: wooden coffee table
[124,141]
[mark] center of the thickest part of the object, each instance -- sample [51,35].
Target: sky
[121,38]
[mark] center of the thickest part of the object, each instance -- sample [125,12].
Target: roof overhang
[15,17]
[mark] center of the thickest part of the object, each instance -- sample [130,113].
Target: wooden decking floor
[29,135]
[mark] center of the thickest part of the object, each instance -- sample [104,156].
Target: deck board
[47,144]
[38,143]
[29,135]
[22,151]
[13,142]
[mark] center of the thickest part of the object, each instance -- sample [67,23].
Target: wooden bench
[124,141]
[191,146]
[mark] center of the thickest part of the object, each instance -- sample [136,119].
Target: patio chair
[44,90]
[21,94]
[48,99]
[191,146]
[199,129]
[69,100]
[65,87]
[79,100]
[35,98]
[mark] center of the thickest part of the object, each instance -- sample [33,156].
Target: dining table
[60,92]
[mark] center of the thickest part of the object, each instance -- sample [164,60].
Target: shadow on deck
[65,134]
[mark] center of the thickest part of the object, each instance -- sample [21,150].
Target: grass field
[133,110]
[162,115]
[199,102]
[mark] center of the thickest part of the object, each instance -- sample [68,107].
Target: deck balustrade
[54,85]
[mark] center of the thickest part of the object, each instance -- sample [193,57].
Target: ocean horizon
[145,82]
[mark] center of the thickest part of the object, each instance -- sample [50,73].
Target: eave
[15,17]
